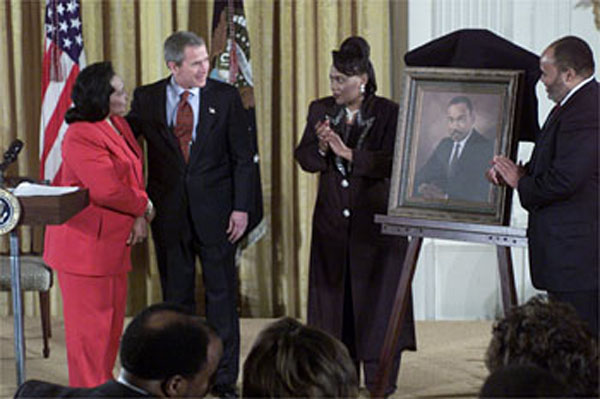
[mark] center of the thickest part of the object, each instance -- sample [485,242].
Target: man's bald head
[164,340]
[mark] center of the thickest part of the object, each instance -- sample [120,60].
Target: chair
[35,276]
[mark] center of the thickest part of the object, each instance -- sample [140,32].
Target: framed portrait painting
[451,124]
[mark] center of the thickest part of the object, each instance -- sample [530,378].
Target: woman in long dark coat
[354,268]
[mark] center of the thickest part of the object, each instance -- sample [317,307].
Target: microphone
[11,154]
[13,150]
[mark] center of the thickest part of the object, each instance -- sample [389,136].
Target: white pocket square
[211,110]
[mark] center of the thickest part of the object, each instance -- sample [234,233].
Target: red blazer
[92,243]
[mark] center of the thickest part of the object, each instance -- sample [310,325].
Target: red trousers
[94,309]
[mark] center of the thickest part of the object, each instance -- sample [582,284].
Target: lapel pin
[211,110]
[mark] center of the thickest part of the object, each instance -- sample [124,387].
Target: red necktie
[184,125]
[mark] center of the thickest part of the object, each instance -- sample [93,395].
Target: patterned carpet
[448,364]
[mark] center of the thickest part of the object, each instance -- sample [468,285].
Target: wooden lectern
[36,210]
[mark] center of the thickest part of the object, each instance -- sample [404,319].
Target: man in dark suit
[456,169]
[559,185]
[165,352]
[200,180]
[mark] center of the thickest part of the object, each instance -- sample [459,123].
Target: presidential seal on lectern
[10,211]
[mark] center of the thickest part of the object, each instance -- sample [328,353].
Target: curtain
[291,44]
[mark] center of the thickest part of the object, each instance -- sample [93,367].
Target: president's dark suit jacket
[218,178]
[560,191]
[469,182]
[110,389]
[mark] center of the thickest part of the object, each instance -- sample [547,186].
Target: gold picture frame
[426,183]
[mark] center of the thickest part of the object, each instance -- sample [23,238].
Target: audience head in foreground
[165,352]
[523,381]
[170,352]
[291,360]
[548,335]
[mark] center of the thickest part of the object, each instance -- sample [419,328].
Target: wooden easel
[503,237]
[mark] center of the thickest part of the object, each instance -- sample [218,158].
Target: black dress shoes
[225,391]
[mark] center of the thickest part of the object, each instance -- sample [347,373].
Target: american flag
[63,58]
[231,63]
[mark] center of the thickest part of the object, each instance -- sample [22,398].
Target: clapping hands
[328,139]
[505,171]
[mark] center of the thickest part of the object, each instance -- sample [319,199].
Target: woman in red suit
[91,252]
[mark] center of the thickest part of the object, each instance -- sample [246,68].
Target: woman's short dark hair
[290,360]
[91,93]
[353,59]
[550,335]
[523,381]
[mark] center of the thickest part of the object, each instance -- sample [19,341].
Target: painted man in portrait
[456,169]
